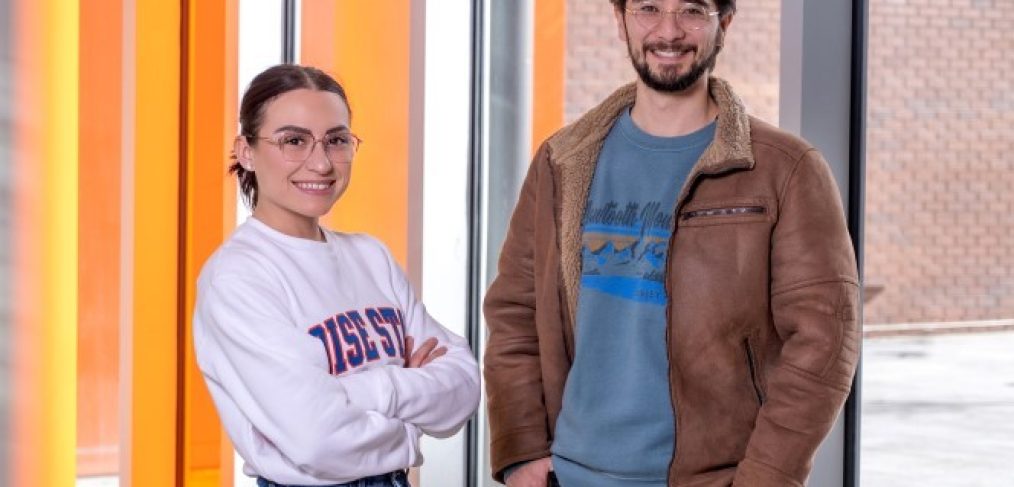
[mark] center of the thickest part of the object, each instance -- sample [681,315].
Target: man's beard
[669,83]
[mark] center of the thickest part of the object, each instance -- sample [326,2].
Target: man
[677,293]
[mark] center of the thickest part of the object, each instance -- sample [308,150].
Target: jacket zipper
[680,198]
[739,210]
[751,362]
[669,348]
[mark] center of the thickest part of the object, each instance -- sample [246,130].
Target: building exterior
[940,149]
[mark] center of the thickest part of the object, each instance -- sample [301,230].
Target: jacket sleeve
[519,423]
[276,403]
[442,395]
[814,294]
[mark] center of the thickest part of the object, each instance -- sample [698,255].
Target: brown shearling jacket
[762,283]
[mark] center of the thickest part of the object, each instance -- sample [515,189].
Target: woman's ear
[244,153]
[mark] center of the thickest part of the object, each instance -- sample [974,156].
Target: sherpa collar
[575,149]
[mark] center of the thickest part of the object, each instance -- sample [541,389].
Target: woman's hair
[725,7]
[264,88]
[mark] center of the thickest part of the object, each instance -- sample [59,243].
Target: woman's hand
[427,352]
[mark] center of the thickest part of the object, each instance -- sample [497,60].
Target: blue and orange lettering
[390,317]
[385,341]
[338,363]
[321,333]
[371,348]
[348,331]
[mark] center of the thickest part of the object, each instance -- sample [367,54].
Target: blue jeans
[398,478]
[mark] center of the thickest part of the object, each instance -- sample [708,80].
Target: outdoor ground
[938,411]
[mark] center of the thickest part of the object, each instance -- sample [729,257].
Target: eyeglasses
[297,147]
[688,17]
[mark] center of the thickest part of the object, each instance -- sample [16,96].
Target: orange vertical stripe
[549,70]
[156,162]
[367,49]
[25,261]
[44,230]
[318,39]
[229,195]
[211,125]
[99,246]
[26,231]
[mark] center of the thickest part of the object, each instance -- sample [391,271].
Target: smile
[314,186]
[670,53]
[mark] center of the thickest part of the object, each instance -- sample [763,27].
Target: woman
[305,336]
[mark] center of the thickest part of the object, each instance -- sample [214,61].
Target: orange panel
[26,260]
[99,245]
[211,125]
[367,49]
[154,348]
[44,231]
[548,71]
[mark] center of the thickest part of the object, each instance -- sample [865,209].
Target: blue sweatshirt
[617,426]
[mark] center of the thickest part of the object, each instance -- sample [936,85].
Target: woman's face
[293,194]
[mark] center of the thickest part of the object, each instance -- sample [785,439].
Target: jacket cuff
[513,468]
[516,449]
[751,473]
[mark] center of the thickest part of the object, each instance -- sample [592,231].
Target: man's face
[668,54]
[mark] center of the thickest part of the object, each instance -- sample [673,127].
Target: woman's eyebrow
[303,130]
[293,128]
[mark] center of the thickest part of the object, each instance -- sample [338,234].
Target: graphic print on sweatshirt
[624,250]
[621,314]
[354,338]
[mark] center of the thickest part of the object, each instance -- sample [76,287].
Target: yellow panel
[156,165]
[60,322]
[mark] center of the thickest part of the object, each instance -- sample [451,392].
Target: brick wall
[940,169]
[597,61]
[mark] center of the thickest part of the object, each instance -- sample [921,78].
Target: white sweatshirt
[301,344]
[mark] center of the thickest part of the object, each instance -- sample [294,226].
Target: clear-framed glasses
[297,146]
[690,16]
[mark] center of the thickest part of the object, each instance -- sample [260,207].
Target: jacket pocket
[751,362]
[733,211]
[724,212]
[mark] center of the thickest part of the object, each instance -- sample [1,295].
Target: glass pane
[939,312]
[595,64]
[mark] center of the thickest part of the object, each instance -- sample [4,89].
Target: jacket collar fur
[574,151]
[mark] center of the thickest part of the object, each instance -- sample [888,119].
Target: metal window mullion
[856,219]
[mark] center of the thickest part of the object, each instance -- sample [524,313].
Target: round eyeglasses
[688,17]
[297,147]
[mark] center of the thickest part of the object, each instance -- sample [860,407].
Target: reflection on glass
[939,270]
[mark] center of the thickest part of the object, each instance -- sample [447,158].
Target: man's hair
[725,7]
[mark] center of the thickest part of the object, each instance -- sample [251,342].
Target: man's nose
[669,26]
